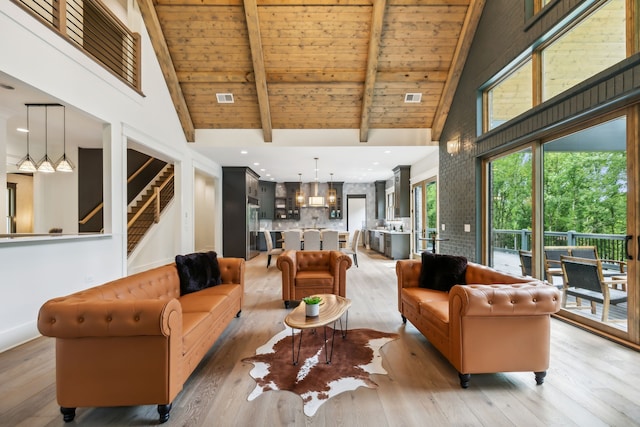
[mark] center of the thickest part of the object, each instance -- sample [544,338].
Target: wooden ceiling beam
[166,64]
[457,65]
[257,55]
[377,20]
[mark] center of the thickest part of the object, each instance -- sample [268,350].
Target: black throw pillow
[442,272]
[198,271]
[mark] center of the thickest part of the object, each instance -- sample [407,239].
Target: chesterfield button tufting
[80,319]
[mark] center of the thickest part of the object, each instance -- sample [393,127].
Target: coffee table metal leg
[295,357]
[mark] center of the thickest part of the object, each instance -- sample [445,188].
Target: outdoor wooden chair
[583,279]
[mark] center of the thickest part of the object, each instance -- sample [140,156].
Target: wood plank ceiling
[311,64]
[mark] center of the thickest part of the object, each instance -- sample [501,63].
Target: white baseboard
[18,335]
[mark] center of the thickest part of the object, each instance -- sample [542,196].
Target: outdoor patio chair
[525,262]
[610,267]
[552,264]
[583,279]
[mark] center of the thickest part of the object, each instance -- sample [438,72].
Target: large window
[593,45]
[592,41]
[425,217]
[510,96]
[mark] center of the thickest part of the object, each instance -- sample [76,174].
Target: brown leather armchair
[306,273]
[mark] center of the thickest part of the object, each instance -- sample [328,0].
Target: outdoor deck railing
[609,246]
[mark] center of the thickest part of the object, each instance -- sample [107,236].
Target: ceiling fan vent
[412,97]
[224,98]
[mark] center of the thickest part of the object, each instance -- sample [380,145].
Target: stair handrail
[99,207]
[155,197]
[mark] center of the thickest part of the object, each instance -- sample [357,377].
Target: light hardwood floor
[591,381]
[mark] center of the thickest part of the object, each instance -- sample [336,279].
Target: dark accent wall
[503,34]
[90,188]
[135,160]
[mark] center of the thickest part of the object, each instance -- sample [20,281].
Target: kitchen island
[391,243]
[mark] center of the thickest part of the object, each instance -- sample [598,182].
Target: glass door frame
[417,234]
[632,113]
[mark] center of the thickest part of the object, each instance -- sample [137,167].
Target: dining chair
[353,247]
[311,240]
[270,249]
[330,240]
[292,240]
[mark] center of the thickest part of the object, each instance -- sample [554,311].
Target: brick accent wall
[503,33]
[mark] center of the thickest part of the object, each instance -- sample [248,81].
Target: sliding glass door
[425,208]
[587,186]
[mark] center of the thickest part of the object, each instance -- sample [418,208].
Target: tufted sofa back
[313,260]
[162,282]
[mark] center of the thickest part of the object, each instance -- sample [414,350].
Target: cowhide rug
[354,358]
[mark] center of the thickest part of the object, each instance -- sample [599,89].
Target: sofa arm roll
[73,317]
[525,299]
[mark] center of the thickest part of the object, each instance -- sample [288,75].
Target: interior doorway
[356,212]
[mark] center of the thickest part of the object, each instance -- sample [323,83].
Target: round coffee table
[332,308]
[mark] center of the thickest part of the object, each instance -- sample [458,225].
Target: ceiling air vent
[412,97]
[224,98]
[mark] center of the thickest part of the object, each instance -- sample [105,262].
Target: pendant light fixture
[45,165]
[63,164]
[332,194]
[299,193]
[27,164]
[315,200]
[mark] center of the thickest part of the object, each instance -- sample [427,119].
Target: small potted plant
[312,305]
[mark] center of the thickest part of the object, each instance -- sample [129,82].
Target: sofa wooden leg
[238,313]
[464,380]
[540,377]
[163,411]
[404,319]
[68,414]
[268,260]
[286,304]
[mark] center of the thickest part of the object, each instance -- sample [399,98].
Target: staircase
[148,206]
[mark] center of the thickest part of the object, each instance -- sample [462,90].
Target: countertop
[390,231]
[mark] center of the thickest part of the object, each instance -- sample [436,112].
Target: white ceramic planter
[312,310]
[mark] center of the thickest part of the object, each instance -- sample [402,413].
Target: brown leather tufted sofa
[495,323]
[135,340]
[306,273]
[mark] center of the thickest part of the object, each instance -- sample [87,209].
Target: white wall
[34,270]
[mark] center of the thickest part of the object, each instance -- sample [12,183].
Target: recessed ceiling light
[375,164]
[256,164]
[387,151]
[244,152]
[23,130]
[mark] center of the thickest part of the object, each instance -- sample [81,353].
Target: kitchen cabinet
[402,191]
[396,245]
[267,193]
[291,208]
[335,211]
[240,212]
[381,188]
[392,244]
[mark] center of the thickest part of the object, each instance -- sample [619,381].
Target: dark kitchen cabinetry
[240,212]
[291,208]
[381,189]
[402,191]
[267,193]
[335,211]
